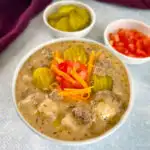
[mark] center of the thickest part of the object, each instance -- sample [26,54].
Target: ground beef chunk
[82,115]
[54,95]
[103,66]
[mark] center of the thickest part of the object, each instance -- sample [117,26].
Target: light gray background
[133,135]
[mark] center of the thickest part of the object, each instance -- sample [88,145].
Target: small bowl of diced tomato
[129,39]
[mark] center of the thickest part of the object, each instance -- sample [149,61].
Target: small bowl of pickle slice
[69,18]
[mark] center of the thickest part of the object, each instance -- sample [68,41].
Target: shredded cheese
[90,64]
[63,74]
[77,93]
[57,57]
[78,78]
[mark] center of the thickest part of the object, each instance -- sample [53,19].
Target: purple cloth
[16,14]
[143,4]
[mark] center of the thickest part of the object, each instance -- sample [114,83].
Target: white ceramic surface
[57,33]
[134,134]
[127,24]
[97,139]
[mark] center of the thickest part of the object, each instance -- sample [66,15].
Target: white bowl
[89,141]
[57,33]
[127,24]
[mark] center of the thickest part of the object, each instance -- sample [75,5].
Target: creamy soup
[72,90]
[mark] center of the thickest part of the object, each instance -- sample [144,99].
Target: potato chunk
[28,105]
[104,111]
[69,122]
[49,108]
[109,98]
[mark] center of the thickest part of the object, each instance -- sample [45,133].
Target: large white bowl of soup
[72,91]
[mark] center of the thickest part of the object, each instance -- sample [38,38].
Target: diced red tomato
[78,85]
[139,44]
[66,67]
[146,42]
[65,84]
[82,67]
[141,52]
[131,55]
[131,42]
[120,49]
[83,75]
[63,66]
[111,37]
[58,78]
[114,37]
[111,42]
[120,44]
[148,51]
[76,65]
[131,47]
[126,52]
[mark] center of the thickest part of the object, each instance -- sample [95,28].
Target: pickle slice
[52,22]
[42,78]
[102,83]
[76,54]
[63,24]
[66,8]
[56,15]
[69,18]
[79,19]
[75,21]
[84,15]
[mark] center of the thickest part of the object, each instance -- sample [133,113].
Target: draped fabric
[16,14]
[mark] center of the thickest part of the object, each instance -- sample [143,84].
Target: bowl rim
[90,10]
[74,143]
[113,49]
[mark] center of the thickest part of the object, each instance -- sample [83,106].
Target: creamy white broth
[79,120]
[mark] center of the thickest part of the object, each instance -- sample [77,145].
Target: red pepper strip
[63,74]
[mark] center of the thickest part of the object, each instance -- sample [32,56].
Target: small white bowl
[57,33]
[74,143]
[126,24]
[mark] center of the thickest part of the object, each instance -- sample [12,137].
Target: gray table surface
[133,135]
